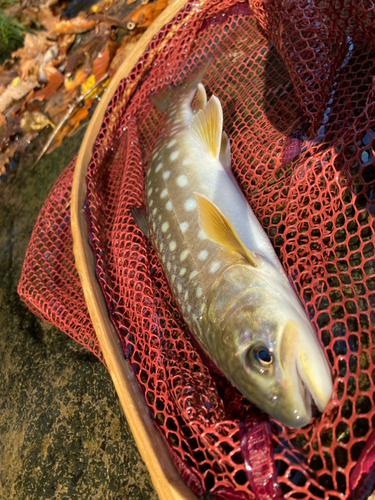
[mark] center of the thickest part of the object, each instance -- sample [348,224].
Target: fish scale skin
[169,200]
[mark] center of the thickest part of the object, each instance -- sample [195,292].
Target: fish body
[222,269]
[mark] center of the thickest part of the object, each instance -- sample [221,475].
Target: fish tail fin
[161,100]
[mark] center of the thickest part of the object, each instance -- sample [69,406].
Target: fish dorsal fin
[201,98]
[217,228]
[207,126]
[225,151]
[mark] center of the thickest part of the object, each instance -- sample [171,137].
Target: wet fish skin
[246,317]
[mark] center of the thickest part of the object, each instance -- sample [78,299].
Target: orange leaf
[101,63]
[55,79]
[75,25]
[80,77]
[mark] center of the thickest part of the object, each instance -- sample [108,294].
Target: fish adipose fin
[139,215]
[217,228]
[207,126]
[170,94]
[201,98]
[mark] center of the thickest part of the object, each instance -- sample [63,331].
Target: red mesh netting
[315,197]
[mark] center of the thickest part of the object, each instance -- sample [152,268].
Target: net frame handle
[164,475]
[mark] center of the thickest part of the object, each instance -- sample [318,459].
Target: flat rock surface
[63,434]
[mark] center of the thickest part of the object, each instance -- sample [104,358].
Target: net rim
[164,475]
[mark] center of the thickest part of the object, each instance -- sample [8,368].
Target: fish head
[263,342]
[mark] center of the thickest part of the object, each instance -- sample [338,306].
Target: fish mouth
[310,378]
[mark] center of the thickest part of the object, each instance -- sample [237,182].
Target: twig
[113,21]
[76,102]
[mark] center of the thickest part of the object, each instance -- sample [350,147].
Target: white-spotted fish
[221,267]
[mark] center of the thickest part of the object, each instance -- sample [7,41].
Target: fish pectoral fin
[207,126]
[225,151]
[219,229]
[201,98]
[139,215]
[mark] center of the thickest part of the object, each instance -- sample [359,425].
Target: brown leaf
[74,61]
[65,42]
[34,47]
[55,80]
[101,63]
[46,18]
[57,106]
[6,76]
[75,25]
[15,91]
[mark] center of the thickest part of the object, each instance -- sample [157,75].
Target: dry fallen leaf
[79,78]
[34,121]
[144,15]
[17,89]
[101,63]
[55,79]
[34,47]
[75,25]
[57,106]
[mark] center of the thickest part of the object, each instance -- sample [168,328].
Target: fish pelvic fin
[219,229]
[139,215]
[207,126]
[169,94]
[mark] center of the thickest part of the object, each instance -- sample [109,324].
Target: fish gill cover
[296,81]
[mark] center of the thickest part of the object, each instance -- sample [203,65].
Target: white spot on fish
[214,266]
[203,255]
[155,156]
[186,295]
[190,204]
[158,167]
[183,255]
[185,162]
[154,211]
[181,180]
[173,278]
[193,274]
[149,192]
[165,227]
[199,292]
[171,143]
[179,287]
[151,203]
[164,193]
[172,245]
[189,308]
[174,155]
[182,271]
[169,266]
[161,247]
[169,205]
[166,174]
[184,226]
[201,235]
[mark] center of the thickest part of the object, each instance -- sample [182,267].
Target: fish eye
[259,355]
[263,356]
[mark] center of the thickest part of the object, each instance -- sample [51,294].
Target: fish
[222,269]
